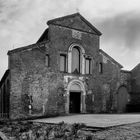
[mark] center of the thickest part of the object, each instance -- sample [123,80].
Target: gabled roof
[4,77]
[138,65]
[43,36]
[125,71]
[29,47]
[70,22]
[114,61]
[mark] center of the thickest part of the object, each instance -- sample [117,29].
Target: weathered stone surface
[109,81]
[39,131]
[37,89]
[2,136]
[125,79]
[134,104]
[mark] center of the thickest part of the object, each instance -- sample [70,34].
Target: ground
[126,132]
[95,120]
[35,130]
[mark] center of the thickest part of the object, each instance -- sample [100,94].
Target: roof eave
[32,46]
[111,58]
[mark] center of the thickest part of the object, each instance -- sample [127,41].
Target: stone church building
[65,72]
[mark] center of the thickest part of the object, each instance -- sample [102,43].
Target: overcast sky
[23,21]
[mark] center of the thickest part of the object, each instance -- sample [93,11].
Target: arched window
[75,60]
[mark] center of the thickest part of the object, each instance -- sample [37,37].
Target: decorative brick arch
[78,82]
[82,52]
[83,93]
[78,45]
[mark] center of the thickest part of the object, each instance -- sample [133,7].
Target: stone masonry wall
[42,87]
[135,83]
[62,38]
[33,83]
[135,79]
[125,79]
[109,81]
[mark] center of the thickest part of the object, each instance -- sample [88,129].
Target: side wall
[109,80]
[125,79]
[135,83]
[33,84]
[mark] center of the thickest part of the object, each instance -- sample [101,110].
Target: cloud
[120,38]
[123,29]
[22,22]
[108,8]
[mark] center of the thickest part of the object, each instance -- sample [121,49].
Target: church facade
[64,72]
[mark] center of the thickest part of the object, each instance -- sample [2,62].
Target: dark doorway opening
[122,99]
[75,102]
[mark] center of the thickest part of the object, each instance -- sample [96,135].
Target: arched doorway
[75,97]
[122,99]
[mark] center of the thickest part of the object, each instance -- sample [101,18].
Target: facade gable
[75,21]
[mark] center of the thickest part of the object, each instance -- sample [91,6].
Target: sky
[23,22]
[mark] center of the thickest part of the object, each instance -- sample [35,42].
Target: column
[83,64]
[69,61]
[83,105]
[67,102]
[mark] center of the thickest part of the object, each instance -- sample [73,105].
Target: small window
[47,60]
[100,67]
[88,66]
[63,62]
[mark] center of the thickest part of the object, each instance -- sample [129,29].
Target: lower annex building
[64,72]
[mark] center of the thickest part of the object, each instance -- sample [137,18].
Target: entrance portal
[75,102]
[75,97]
